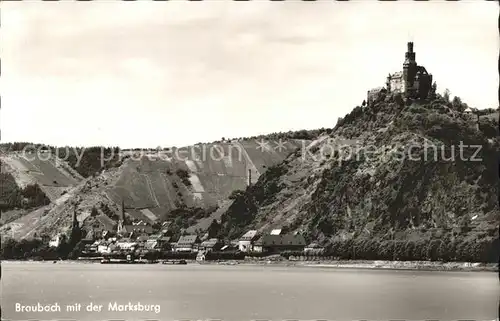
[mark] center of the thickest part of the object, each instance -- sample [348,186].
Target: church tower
[409,70]
[121,220]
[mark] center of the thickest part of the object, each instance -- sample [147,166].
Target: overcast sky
[147,74]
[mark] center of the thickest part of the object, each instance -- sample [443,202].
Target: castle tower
[410,54]
[409,70]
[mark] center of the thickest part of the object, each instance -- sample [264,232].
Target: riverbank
[401,265]
[387,265]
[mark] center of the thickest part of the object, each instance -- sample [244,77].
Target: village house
[126,245]
[279,243]
[187,243]
[275,232]
[245,243]
[471,114]
[314,248]
[55,241]
[92,247]
[231,248]
[211,245]
[106,247]
[136,230]
[158,242]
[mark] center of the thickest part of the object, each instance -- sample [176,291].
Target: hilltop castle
[413,82]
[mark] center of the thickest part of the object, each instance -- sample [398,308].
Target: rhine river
[244,293]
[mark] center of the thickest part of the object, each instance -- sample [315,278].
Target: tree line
[485,251]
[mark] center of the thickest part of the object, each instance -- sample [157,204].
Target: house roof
[126,243]
[159,237]
[210,243]
[188,239]
[286,239]
[314,246]
[276,232]
[249,235]
[376,90]
[398,74]
[151,245]
[138,228]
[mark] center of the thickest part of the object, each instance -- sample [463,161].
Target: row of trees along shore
[485,251]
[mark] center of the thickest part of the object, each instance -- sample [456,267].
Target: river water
[244,293]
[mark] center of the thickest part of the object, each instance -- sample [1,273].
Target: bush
[485,250]
[287,254]
[235,194]
[91,158]
[26,249]
[184,176]
[256,254]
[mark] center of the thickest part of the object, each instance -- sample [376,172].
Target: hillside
[52,175]
[188,184]
[156,184]
[330,196]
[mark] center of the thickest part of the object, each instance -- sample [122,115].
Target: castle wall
[397,84]
[374,94]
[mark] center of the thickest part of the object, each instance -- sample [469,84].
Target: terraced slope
[152,186]
[52,175]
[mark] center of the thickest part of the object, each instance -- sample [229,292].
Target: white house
[276,232]
[245,242]
[187,243]
[126,245]
[104,248]
[55,241]
[314,248]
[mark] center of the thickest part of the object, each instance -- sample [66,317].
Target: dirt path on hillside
[151,189]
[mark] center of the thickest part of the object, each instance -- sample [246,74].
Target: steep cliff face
[419,169]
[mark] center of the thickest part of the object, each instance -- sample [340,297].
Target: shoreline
[361,264]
